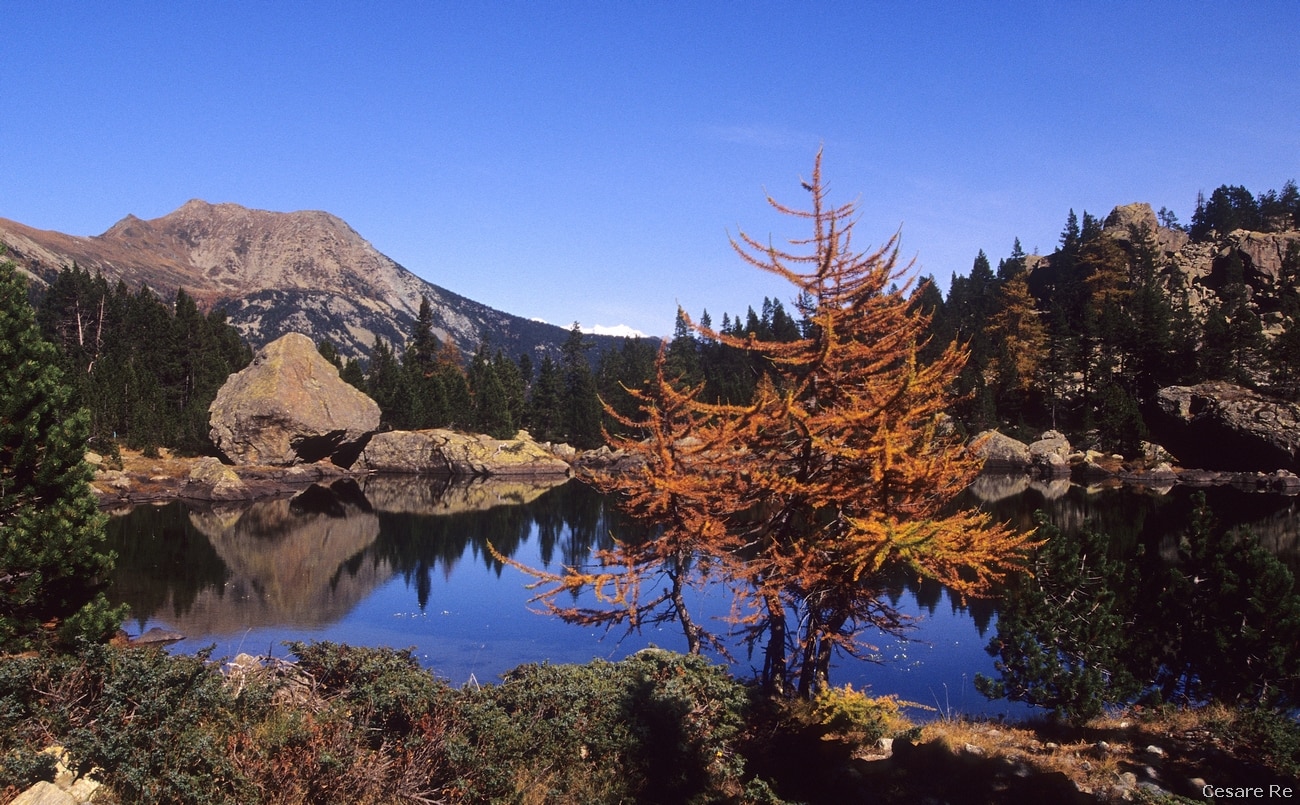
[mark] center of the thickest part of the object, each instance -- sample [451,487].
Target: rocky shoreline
[288,421]
[1051,457]
[135,478]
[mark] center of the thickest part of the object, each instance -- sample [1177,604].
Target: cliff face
[275,273]
[1202,269]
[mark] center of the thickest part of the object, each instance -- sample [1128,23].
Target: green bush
[159,729]
[656,727]
[386,689]
[21,768]
[361,725]
[1275,734]
[854,714]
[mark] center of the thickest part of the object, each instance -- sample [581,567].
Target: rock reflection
[305,562]
[284,559]
[409,494]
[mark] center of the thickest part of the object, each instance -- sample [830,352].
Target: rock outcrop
[445,452]
[1219,426]
[1262,255]
[1127,220]
[1051,453]
[1001,452]
[290,407]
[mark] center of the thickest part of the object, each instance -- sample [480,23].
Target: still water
[403,562]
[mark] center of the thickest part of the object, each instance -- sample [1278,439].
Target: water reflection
[402,561]
[1158,597]
[1155,519]
[305,562]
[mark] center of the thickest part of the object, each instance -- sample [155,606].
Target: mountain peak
[276,272]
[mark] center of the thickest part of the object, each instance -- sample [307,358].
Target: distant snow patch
[620,330]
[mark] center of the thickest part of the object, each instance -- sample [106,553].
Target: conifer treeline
[429,386]
[1083,342]
[146,370]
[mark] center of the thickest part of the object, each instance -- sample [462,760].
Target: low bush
[656,727]
[855,715]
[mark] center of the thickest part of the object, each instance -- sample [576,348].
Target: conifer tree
[53,565]
[455,388]
[837,473]
[1020,336]
[582,406]
[512,385]
[491,408]
[546,404]
[387,386]
[683,351]
[329,352]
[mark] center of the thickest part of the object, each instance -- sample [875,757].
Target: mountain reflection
[305,562]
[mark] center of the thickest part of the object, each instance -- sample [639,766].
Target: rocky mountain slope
[1199,269]
[275,273]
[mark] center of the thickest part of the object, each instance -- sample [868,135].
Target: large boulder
[1219,426]
[1050,454]
[290,407]
[445,452]
[1263,255]
[1000,452]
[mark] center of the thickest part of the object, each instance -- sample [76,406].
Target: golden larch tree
[1019,334]
[839,472]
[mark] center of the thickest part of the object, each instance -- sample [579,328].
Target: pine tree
[491,408]
[512,384]
[546,403]
[52,561]
[330,353]
[581,399]
[683,351]
[455,388]
[386,384]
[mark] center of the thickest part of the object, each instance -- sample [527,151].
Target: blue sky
[586,161]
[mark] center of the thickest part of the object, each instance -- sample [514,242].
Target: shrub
[21,768]
[1275,734]
[386,689]
[860,717]
[657,727]
[159,729]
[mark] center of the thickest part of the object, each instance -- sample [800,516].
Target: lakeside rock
[449,453]
[1050,454]
[1221,427]
[1000,452]
[289,406]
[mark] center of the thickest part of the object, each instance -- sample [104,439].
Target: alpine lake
[404,562]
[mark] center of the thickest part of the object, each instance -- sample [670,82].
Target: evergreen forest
[146,369]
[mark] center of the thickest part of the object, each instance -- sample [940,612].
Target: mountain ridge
[272,272]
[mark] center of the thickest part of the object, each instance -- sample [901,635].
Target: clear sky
[586,161]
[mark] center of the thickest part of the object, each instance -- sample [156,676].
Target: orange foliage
[839,470]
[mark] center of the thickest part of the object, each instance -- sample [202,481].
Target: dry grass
[1177,749]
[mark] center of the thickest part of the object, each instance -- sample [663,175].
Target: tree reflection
[1214,616]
